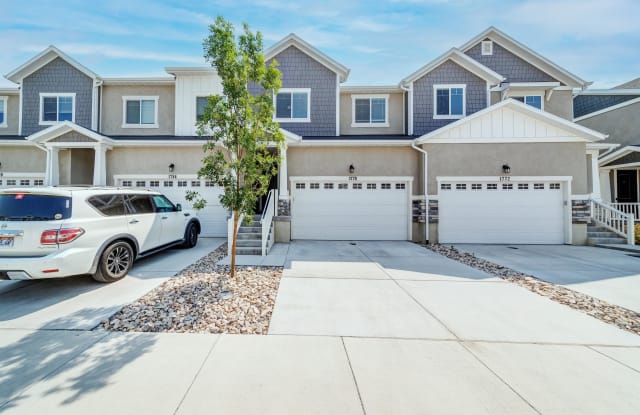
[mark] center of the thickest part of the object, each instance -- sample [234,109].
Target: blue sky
[380,41]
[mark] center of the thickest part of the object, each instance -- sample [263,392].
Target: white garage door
[492,212]
[343,210]
[213,217]
[21,180]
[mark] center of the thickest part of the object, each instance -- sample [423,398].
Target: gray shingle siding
[447,73]
[509,65]
[586,104]
[60,77]
[301,71]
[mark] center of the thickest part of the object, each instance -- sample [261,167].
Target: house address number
[505,178]
[353,178]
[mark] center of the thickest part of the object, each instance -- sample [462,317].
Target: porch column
[595,175]
[52,173]
[283,177]
[100,165]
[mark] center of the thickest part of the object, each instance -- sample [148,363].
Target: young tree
[239,123]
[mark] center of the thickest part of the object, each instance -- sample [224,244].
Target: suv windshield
[28,206]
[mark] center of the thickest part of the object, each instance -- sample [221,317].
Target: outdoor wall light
[506,169]
[171,167]
[351,169]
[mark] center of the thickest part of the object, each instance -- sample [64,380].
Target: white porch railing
[614,220]
[230,231]
[266,220]
[632,208]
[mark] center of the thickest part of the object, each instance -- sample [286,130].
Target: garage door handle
[164,217]
[133,221]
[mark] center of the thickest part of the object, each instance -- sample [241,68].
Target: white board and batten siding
[510,210]
[213,218]
[343,208]
[189,86]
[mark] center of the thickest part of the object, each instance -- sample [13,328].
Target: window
[126,183]
[476,186]
[507,186]
[209,183]
[35,207]
[55,108]
[3,111]
[138,204]
[141,183]
[445,186]
[154,183]
[140,112]
[195,183]
[292,105]
[328,185]
[182,183]
[523,186]
[400,186]
[201,104]
[300,185]
[25,182]
[533,100]
[385,186]
[357,186]
[163,204]
[369,110]
[109,205]
[167,183]
[11,182]
[461,186]
[314,186]
[371,186]
[538,186]
[492,186]
[343,186]
[36,182]
[554,186]
[449,101]
[487,47]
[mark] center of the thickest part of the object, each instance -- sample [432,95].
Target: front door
[627,189]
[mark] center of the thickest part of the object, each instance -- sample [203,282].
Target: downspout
[425,159]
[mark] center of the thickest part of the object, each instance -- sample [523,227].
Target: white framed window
[300,185]
[523,186]
[445,186]
[168,183]
[292,105]
[461,186]
[449,101]
[126,183]
[370,110]
[141,183]
[357,186]
[554,186]
[343,186]
[538,186]
[328,186]
[201,104]
[535,101]
[486,47]
[140,112]
[507,186]
[385,186]
[400,186]
[476,186]
[3,111]
[57,107]
[195,183]
[154,183]
[492,186]
[314,186]
[371,186]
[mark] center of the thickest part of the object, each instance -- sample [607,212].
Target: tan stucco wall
[395,116]
[525,159]
[622,124]
[368,161]
[112,114]
[22,159]
[153,160]
[12,115]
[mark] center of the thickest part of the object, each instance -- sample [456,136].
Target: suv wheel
[190,236]
[115,262]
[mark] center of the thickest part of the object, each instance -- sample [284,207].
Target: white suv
[57,232]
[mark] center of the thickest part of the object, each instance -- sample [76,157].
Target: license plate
[6,242]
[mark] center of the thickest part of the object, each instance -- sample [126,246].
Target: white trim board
[497,178]
[605,110]
[42,59]
[618,154]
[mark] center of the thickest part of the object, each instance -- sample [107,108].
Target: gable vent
[487,47]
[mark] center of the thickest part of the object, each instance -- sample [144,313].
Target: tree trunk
[236,217]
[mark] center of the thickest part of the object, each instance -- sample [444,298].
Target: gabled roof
[511,121]
[528,55]
[294,40]
[608,158]
[632,84]
[43,58]
[582,112]
[65,127]
[461,59]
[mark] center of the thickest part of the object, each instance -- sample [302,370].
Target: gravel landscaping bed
[204,299]
[602,310]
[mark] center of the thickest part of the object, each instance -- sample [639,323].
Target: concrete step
[624,247]
[594,228]
[250,235]
[602,234]
[250,229]
[247,243]
[604,241]
[248,251]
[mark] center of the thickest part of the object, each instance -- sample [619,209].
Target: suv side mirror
[179,207]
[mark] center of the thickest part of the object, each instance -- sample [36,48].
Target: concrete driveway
[609,275]
[80,303]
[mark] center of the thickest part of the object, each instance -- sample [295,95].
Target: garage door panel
[502,216]
[350,214]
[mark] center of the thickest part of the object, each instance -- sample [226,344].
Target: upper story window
[533,100]
[3,111]
[370,110]
[201,104]
[487,47]
[292,105]
[140,112]
[449,101]
[55,108]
